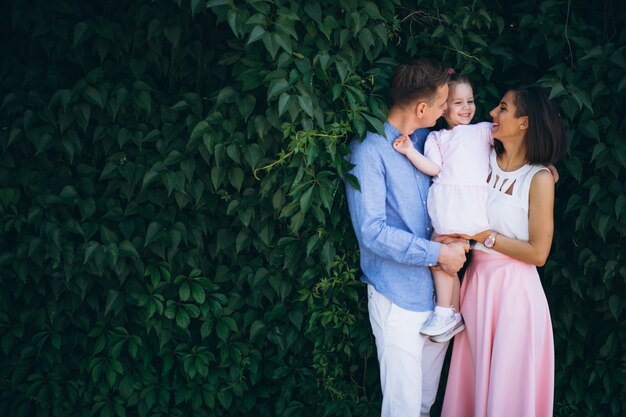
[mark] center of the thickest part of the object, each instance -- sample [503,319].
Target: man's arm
[369,218]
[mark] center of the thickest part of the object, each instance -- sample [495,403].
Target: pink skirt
[503,363]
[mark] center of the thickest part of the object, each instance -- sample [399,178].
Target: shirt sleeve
[369,219]
[432,150]
[486,131]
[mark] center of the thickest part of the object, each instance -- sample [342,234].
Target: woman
[503,364]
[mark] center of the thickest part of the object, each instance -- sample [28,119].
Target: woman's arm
[404,145]
[540,225]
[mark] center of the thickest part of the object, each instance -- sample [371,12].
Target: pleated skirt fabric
[503,363]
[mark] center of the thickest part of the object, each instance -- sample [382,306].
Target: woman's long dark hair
[546,139]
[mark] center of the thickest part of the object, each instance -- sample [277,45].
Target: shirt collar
[391,132]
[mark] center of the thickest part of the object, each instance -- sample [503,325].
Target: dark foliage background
[174,234]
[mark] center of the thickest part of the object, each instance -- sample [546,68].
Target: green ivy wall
[174,237]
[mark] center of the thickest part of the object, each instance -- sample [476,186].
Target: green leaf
[246,105]
[222,330]
[226,95]
[314,11]
[284,102]
[195,5]
[270,44]
[256,34]
[184,291]
[182,318]
[276,87]
[305,199]
[225,397]
[372,10]
[113,296]
[342,69]
[604,225]
[198,293]
[90,248]
[575,167]
[128,249]
[200,128]
[376,123]
[235,176]
[80,33]
[145,101]
[153,233]
[283,40]
[173,32]
[93,96]
[366,39]
[99,345]
[306,104]
[620,206]
[216,3]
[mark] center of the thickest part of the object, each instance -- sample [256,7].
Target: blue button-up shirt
[390,219]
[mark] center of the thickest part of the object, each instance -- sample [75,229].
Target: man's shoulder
[421,132]
[436,134]
[371,142]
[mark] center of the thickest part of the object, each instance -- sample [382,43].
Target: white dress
[503,363]
[508,213]
[458,196]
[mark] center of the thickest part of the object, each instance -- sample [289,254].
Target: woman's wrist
[490,240]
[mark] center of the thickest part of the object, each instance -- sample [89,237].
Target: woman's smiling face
[505,122]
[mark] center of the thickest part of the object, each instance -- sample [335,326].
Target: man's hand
[452,254]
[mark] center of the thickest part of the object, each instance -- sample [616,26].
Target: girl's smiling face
[461,106]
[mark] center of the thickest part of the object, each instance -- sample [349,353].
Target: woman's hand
[478,237]
[447,239]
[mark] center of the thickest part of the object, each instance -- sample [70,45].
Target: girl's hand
[403,144]
[554,172]
[478,237]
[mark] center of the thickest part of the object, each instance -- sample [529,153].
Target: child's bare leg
[444,286]
[456,291]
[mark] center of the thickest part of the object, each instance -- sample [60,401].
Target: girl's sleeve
[485,132]
[432,150]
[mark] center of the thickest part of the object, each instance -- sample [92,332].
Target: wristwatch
[491,240]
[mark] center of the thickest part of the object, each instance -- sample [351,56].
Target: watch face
[489,242]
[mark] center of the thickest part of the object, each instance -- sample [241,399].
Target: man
[392,226]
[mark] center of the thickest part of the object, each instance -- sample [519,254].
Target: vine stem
[269,166]
[569,45]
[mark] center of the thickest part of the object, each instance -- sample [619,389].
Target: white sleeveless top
[508,213]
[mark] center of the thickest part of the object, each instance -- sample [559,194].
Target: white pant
[410,364]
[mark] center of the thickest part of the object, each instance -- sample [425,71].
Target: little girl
[458,159]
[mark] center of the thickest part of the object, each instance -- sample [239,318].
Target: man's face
[436,107]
